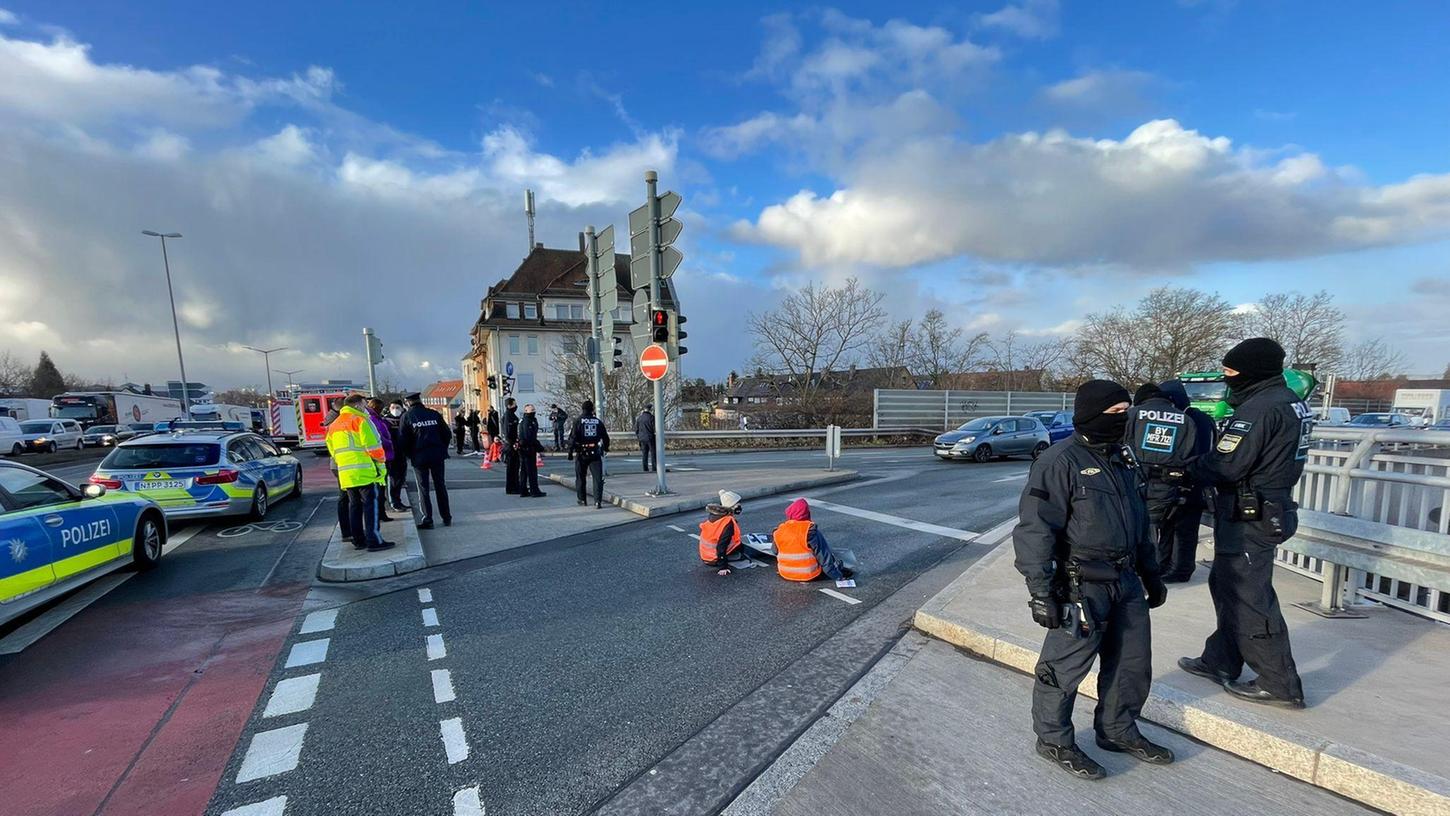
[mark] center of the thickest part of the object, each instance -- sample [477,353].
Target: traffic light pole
[372,374]
[656,302]
[596,319]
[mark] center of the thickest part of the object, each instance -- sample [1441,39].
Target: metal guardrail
[945,410]
[802,433]
[1375,520]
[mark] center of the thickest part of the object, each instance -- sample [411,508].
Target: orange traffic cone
[487,462]
[539,462]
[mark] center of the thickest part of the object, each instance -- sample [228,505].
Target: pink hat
[798,511]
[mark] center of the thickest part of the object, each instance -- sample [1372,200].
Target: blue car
[1058,423]
[199,472]
[57,537]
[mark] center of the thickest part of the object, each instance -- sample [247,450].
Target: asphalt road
[607,671]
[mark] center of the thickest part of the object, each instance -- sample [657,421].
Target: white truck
[126,407]
[1424,406]
[23,408]
[221,412]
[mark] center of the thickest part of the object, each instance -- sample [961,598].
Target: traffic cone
[539,462]
[487,463]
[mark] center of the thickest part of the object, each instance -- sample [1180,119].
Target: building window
[512,311]
[513,344]
[531,311]
[533,345]
[526,382]
[561,311]
[576,311]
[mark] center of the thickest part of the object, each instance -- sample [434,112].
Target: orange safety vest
[710,532]
[793,557]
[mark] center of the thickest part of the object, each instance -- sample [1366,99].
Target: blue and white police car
[198,471]
[55,537]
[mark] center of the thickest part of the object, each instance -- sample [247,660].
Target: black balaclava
[1093,398]
[1255,359]
[1146,392]
[1176,393]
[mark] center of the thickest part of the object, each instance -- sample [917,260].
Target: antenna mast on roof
[529,209]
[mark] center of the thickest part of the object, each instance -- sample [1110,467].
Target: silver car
[50,435]
[986,438]
[106,436]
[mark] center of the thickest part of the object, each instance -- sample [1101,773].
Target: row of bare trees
[42,380]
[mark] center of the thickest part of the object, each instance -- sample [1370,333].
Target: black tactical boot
[1196,666]
[1141,748]
[1071,759]
[1253,693]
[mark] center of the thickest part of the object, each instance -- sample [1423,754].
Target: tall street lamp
[175,326]
[289,375]
[267,361]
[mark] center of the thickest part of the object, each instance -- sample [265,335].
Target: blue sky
[1016,163]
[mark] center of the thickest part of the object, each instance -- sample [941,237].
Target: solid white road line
[425,595]
[292,695]
[443,686]
[676,528]
[272,752]
[996,534]
[275,806]
[919,526]
[838,596]
[48,621]
[467,803]
[1012,478]
[320,621]
[436,649]
[181,538]
[307,653]
[455,745]
[430,617]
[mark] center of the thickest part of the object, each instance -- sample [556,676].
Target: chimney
[583,247]
[529,210]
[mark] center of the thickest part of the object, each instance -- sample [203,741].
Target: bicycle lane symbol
[261,527]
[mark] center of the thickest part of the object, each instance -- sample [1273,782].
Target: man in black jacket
[1082,543]
[491,423]
[398,465]
[644,431]
[460,430]
[512,469]
[558,417]
[425,443]
[1254,467]
[588,443]
[1181,547]
[529,450]
[1164,441]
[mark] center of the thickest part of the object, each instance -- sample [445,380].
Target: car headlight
[964,441]
[41,439]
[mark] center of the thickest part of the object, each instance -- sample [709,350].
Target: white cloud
[1030,19]
[288,147]
[1104,89]
[8,17]
[163,145]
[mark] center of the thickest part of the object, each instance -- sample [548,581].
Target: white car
[10,436]
[50,435]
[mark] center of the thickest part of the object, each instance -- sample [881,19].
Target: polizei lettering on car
[83,533]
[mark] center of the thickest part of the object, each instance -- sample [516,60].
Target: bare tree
[1309,327]
[940,350]
[892,347]
[818,329]
[1372,359]
[1169,331]
[14,375]
[1012,357]
[246,395]
[626,390]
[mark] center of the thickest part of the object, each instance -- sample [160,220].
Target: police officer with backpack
[1164,440]
[587,446]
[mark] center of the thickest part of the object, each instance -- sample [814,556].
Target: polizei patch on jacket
[1092,471]
[1242,425]
[1229,443]
[1159,437]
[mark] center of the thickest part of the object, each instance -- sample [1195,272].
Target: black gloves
[1046,612]
[1157,591]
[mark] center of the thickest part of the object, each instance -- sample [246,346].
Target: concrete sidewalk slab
[342,562]
[1374,730]
[951,734]
[692,490]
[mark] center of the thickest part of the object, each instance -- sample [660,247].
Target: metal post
[1009,402]
[655,301]
[591,244]
[176,329]
[368,350]
[946,410]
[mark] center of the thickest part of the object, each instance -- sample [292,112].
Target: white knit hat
[729,499]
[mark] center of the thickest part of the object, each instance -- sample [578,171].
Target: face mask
[1104,428]
[396,411]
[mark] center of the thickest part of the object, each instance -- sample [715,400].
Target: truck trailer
[1424,406]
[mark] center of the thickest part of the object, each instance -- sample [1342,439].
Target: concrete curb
[342,563]
[686,503]
[1345,770]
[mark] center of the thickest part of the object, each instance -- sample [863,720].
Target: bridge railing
[1374,521]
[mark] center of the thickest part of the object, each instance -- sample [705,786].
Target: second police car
[198,472]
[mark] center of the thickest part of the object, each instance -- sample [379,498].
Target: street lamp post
[267,361]
[175,326]
[289,375]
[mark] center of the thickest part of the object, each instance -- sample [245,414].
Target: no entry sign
[654,363]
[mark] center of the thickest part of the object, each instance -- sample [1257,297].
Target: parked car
[1442,425]
[58,537]
[140,429]
[105,436]
[11,437]
[198,472]
[1331,416]
[1380,420]
[50,435]
[1058,423]
[982,439]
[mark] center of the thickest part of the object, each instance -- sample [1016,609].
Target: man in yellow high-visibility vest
[357,452]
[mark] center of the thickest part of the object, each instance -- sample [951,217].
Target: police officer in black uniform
[398,465]
[1181,534]
[1164,441]
[513,468]
[588,443]
[1254,467]
[1082,543]
[425,443]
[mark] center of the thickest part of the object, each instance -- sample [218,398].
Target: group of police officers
[1110,516]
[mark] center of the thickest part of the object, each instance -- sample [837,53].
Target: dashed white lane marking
[467,803]
[275,806]
[436,649]
[430,617]
[676,528]
[443,686]
[455,745]
[838,596]
[321,621]
[292,695]
[425,595]
[1012,478]
[272,752]
[919,526]
[307,653]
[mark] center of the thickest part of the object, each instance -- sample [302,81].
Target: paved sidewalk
[693,489]
[1377,718]
[343,562]
[951,734]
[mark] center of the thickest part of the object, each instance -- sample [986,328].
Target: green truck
[1208,392]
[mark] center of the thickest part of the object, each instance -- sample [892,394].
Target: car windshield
[1206,391]
[98,429]
[981,424]
[36,426]
[185,454]
[1371,419]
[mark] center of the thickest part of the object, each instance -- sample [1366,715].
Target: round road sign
[654,363]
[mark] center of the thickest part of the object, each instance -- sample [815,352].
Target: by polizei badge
[1229,443]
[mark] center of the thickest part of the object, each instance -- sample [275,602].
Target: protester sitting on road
[801,551]
[720,533]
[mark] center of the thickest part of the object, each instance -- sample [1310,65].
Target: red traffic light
[659,318]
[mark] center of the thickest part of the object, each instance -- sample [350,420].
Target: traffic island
[344,563]
[693,489]
[1376,718]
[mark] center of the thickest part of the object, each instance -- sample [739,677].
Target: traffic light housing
[492,382]
[677,333]
[659,322]
[618,353]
